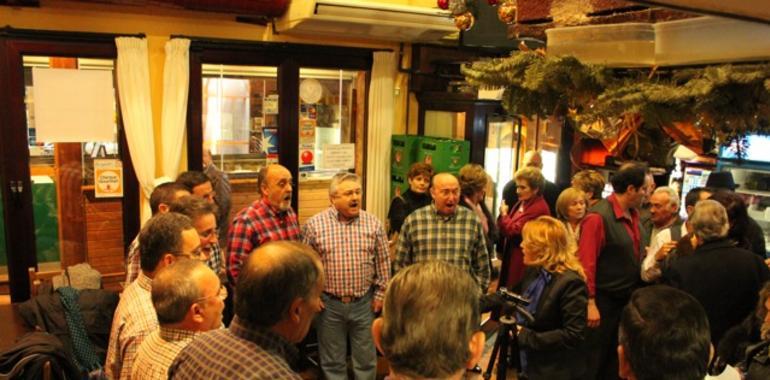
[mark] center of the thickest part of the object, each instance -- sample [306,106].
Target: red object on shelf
[443,4]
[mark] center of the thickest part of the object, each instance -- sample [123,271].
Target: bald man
[445,232]
[551,192]
[267,219]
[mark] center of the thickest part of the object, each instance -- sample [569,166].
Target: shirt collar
[444,218]
[280,214]
[617,210]
[144,282]
[170,334]
[266,339]
[336,215]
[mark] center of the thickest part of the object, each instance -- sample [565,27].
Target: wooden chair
[36,279]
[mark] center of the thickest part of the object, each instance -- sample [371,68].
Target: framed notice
[339,156]
[108,178]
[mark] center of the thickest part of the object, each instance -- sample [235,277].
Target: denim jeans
[335,324]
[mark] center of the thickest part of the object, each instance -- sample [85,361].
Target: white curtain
[133,70]
[380,129]
[176,83]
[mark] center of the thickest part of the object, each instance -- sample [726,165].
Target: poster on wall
[307,156]
[73,105]
[339,156]
[108,178]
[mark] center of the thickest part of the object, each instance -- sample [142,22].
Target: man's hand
[503,209]
[594,319]
[664,250]
[376,306]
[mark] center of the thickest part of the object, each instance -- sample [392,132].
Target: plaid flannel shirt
[238,352]
[457,239]
[158,351]
[255,225]
[134,319]
[354,253]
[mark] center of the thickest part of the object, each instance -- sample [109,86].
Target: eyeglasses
[196,254]
[221,294]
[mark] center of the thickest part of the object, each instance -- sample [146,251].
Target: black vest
[617,267]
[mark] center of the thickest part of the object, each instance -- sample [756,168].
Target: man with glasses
[166,238]
[267,219]
[354,253]
[204,218]
[443,231]
[188,299]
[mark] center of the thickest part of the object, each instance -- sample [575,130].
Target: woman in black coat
[555,284]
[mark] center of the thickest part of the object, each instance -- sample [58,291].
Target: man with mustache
[267,219]
[354,253]
[442,231]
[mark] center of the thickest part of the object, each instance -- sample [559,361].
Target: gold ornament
[464,21]
[506,12]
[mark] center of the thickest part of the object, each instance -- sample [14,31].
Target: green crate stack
[445,155]
[403,154]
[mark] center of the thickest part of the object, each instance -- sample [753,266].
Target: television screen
[755,148]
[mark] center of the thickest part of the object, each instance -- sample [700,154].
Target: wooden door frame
[20,237]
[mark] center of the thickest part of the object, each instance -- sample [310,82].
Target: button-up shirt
[457,239]
[238,352]
[158,351]
[133,266]
[354,253]
[134,319]
[255,225]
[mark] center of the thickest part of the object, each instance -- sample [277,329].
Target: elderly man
[204,218]
[188,299]
[429,327]
[664,334]
[533,158]
[610,249]
[443,231]
[267,219]
[666,240]
[163,240]
[725,279]
[160,201]
[354,252]
[279,293]
[664,211]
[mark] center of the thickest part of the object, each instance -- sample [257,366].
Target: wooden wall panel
[104,231]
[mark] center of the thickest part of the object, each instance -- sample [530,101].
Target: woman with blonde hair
[554,282]
[571,208]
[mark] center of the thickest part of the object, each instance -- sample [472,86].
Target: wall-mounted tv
[755,148]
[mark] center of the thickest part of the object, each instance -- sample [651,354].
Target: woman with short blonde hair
[571,207]
[554,282]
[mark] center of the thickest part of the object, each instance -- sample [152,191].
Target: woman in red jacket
[529,188]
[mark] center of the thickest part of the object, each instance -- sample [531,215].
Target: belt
[344,299]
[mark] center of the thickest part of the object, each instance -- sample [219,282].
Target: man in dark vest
[610,248]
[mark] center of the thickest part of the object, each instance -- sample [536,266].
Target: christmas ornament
[443,4]
[492,2]
[457,7]
[464,21]
[506,12]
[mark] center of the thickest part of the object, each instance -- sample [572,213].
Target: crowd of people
[617,287]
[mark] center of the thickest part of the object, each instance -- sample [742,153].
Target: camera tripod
[506,348]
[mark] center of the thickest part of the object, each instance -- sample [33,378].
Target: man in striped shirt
[443,231]
[354,253]
[188,299]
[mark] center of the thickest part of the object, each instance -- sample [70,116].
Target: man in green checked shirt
[445,232]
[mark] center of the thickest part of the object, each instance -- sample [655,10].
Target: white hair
[673,196]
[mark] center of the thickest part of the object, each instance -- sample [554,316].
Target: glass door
[500,156]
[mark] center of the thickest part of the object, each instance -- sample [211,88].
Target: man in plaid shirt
[354,253]
[165,238]
[443,231]
[268,219]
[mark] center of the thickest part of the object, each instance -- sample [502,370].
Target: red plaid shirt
[354,253]
[255,225]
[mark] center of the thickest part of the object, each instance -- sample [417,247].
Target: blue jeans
[334,324]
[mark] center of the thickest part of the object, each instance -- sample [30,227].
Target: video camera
[507,302]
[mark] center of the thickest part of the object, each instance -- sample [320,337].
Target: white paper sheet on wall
[73,105]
